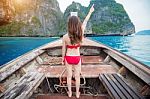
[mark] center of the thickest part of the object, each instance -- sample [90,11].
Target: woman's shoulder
[65,36]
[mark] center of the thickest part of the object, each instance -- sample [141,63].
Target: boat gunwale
[58,47]
[137,64]
[37,51]
[123,54]
[23,55]
[144,68]
[133,61]
[130,59]
[104,46]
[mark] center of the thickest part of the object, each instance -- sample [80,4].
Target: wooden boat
[106,73]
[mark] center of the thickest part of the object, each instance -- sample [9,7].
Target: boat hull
[97,59]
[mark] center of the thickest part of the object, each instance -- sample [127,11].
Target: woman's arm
[87,17]
[63,49]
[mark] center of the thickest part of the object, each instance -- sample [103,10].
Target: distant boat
[106,73]
[132,34]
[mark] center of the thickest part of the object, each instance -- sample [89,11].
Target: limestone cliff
[34,18]
[44,18]
[109,17]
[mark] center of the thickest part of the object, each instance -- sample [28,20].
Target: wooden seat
[117,88]
[58,60]
[24,88]
[93,70]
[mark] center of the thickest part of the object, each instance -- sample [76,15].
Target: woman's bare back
[70,52]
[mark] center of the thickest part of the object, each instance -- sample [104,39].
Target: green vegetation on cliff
[74,7]
[34,18]
[108,17]
[44,18]
[11,29]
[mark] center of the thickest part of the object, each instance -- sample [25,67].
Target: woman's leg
[77,77]
[69,77]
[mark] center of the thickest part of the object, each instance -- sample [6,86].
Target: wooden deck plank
[73,97]
[128,89]
[58,60]
[24,87]
[2,89]
[32,86]
[92,59]
[115,86]
[120,87]
[142,71]
[111,91]
[6,71]
[88,71]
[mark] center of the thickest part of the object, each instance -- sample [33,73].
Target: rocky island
[34,18]
[109,18]
[44,18]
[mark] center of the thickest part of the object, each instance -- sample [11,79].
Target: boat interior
[106,73]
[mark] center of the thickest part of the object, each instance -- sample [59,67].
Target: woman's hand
[92,9]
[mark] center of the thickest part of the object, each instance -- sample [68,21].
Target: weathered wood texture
[58,60]
[92,59]
[117,88]
[73,97]
[88,71]
[142,71]
[84,50]
[2,89]
[135,67]
[24,87]
[88,47]
[17,64]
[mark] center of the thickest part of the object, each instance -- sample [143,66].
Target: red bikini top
[73,46]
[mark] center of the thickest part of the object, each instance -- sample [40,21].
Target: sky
[65,3]
[138,11]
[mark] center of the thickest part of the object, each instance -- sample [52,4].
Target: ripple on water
[137,46]
[12,47]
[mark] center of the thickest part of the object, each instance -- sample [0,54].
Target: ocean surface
[12,47]
[137,46]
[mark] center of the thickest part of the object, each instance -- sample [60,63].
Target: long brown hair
[75,30]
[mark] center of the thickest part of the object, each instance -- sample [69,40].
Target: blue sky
[138,11]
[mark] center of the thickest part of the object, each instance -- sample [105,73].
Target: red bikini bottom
[73,60]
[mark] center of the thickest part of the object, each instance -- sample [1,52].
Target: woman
[70,49]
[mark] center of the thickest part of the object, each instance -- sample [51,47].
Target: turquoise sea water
[137,46]
[12,47]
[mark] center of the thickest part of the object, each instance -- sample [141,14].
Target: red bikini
[73,60]
[71,46]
